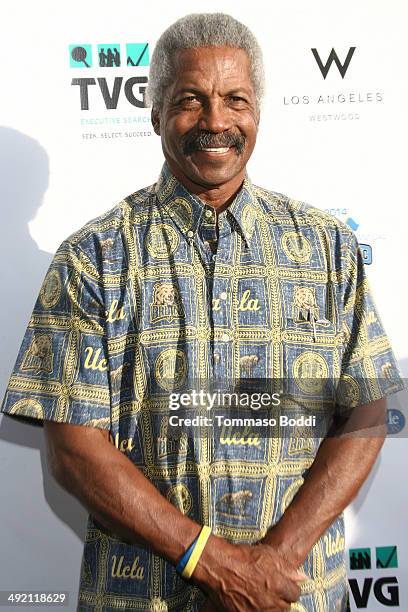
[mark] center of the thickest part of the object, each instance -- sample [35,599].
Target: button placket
[222,336]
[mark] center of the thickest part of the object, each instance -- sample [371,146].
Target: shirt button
[223,295]
[190,233]
[225,337]
[208,213]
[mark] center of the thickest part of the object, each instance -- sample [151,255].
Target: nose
[215,116]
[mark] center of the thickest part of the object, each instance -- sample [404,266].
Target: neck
[217,196]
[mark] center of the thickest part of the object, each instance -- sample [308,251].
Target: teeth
[217,150]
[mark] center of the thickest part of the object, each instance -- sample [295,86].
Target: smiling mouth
[216,150]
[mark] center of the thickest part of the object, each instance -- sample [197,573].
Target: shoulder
[105,236]
[289,211]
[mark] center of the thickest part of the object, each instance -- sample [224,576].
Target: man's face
[209,120]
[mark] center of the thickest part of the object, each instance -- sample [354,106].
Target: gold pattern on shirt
[183,211]
[180,496]
[248,303]
[50,293]
[94,361]
[120,569]
[162,240]
[29,408]
[296,247]
[302,441]
[334,545]
[310,371]
[238,437]
[39,356]
[157,605]
[106,246]
[304,304]
[349,391]
[248,219]
[171,369]
[166,445]
[248,364]
[166,303]
[234,504]
[115,313]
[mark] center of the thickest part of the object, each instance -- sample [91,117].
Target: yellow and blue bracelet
[189,560]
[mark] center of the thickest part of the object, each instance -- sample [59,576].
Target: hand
[242,578]
[208,607]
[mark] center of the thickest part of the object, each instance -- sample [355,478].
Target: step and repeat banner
[76,137]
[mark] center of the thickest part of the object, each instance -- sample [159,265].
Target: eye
[237,101]
[189,101]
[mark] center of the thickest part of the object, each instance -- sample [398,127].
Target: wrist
[286,546]
[207,574]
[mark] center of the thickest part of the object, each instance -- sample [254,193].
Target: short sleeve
[369,370]
[61,372]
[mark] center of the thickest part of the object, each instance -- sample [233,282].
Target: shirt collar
[187,210]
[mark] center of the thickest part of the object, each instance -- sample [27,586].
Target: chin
[215,177]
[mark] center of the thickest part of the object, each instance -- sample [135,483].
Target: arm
[122,499]
[341,466]
[114,491]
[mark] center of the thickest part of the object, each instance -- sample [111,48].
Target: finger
[279,605]
[296,575]
[289,592]
[208,607]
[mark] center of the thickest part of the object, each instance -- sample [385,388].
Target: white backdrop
[337,143]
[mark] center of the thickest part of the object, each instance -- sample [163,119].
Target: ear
[155,116]
[258,118]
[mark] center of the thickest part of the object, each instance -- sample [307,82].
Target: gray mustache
[203,140]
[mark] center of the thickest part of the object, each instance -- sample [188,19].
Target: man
[204,275]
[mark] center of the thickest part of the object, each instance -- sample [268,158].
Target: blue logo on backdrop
[395,421]
[367,253]
[353,224]
[366,249]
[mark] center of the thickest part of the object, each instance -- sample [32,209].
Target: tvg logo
[111,97]
[110,56]
[386,591]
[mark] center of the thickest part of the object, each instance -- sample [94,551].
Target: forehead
[206,66]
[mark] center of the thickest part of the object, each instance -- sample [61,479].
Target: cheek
[249,126]
[172,136]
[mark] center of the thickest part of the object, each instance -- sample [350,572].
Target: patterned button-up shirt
[160,290]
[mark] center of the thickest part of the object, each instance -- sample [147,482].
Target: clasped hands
[250,577]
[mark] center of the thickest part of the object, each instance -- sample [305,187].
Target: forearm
[119,496]
[125,502]
[341,466]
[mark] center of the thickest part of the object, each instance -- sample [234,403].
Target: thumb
[301,576]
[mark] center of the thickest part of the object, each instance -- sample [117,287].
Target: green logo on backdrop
[360,558]
[109,55]
[137,54]
[80,56]
[386,556]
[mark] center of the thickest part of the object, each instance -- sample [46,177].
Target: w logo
[333,57]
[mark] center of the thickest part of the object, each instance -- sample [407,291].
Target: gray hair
[202,30]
